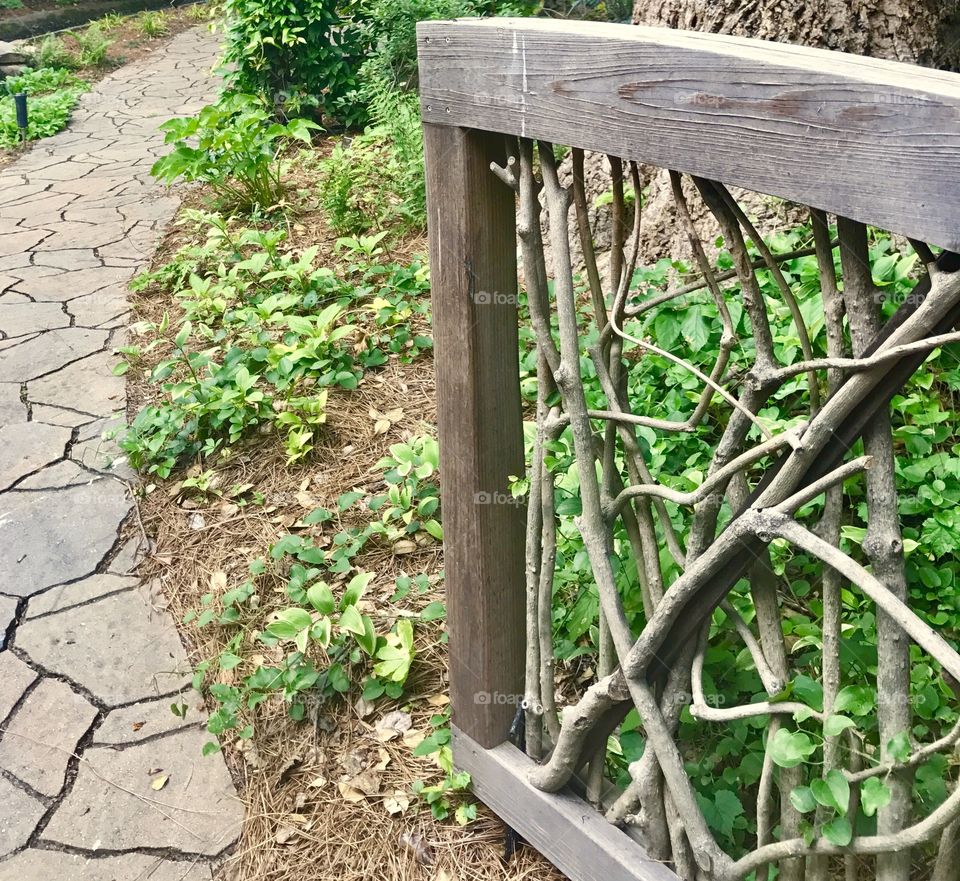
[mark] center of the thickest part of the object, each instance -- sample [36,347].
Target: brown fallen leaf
[392,725]
[422,851]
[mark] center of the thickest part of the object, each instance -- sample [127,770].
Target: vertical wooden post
[473,265]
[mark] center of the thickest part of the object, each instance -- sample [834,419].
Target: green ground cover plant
[52,94]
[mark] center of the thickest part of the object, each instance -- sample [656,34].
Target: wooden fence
[869,140]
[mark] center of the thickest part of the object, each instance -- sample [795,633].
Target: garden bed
[331,795]
[37,17]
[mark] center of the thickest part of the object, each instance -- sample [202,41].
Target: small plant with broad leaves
[234,146]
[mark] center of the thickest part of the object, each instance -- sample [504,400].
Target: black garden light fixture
[20,102]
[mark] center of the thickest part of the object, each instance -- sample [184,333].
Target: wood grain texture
[873,140]
[571,833]
[471,222]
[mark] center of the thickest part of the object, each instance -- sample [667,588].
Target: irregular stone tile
[96,309]
[23,318]
[72,236]
[48,352]
[8,612]
[68,258]
[97,449]
[129,557]
[12,409]
[60,416]
[19,815]
[14,261]
[27,446]
[95,814]
[57,476]
[68,170]
[52,536]
[119,648]
[43,865]
[65,596]
[132,724]
[87,385]
[15,678]
[43,733]
[47,283]
[18,243]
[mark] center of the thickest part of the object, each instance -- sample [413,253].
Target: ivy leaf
[874,794]
[837,725]
[356,587]
[898,748]
[838,832]
[802,799]
[790,748]
[856,699]
[832,791]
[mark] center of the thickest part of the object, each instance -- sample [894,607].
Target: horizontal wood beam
[568,831]
[872,140]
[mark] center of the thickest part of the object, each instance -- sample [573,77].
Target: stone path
[98,779]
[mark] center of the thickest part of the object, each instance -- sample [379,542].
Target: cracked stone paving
[90,661]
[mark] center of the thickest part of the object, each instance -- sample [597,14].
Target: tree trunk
[918,31]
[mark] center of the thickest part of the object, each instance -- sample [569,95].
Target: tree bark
[917,31]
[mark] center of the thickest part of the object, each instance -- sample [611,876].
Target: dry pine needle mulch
[330,797]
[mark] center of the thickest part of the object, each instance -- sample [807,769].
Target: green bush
[92,44]
[298,54]
[153,24]
[236,153]
[51,52]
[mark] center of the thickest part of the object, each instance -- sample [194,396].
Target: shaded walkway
[98,779]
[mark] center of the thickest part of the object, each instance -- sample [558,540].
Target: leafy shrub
[237,151]
[11,4]
[52,52]
[92,46]
[153,24]
[297,53]
[53,95]
[261,341]
[110,21]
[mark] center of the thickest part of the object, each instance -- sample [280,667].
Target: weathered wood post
[474,285]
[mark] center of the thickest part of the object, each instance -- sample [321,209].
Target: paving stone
[60,416]
[18,319]
[28,446]
[73,236]
[43,733]
[43,865]
[8,611]
[47,283]
[97,449]
[65,596]
[12,244]
[129,556]
[96,309]
[46,353]
[133,724]
[57,476]
[120,648]
[12,409]
[202,812]
[68,258]
[19,815]
[52,536]
[15,678]
[87,385]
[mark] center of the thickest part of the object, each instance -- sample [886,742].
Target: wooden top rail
[872,140]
